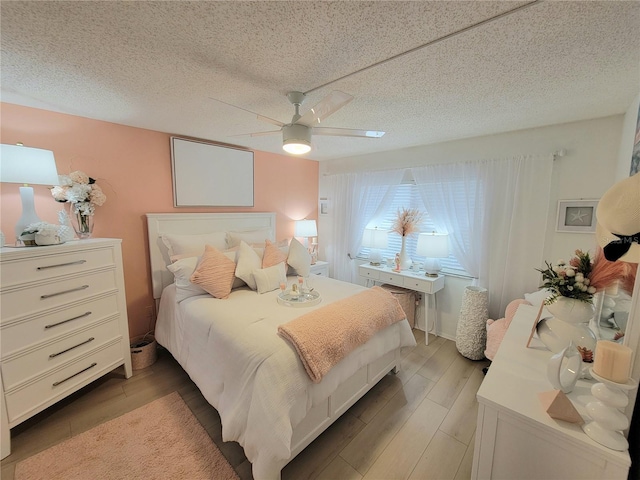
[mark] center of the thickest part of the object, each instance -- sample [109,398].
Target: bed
[232,351]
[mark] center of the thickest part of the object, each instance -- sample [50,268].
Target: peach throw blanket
[325,336]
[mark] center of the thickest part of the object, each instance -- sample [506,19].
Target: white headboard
[193,224]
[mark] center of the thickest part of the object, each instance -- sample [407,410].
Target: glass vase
[82,224]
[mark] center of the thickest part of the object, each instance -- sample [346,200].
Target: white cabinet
[320,268]
[515,438]
[63,324]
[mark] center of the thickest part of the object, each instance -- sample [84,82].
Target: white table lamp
[433,246]
[27,165]
[375,239]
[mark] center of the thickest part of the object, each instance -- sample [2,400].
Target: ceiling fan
[296,135]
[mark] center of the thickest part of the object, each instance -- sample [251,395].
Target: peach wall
[133,167]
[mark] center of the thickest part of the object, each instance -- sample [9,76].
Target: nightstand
[320,268]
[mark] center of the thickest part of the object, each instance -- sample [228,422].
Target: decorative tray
[306,299]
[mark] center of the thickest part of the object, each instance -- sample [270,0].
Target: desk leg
[427,298]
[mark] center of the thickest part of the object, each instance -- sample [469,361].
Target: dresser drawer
[25,301]
[23,333]
[31,362]
[392,278]
[423,285]
[50,266]
[366,272]
[24,401]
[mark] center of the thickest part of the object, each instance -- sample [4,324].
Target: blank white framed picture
[209,175]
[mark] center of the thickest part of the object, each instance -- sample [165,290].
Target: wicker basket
[143,351]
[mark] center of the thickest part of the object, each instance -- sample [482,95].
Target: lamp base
[433,275]
[29,214]
[375,257]
[432,267]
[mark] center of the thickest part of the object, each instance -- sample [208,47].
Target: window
[405,195]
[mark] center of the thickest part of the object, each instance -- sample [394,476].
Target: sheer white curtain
[355,199]
[497,232]
[452,196]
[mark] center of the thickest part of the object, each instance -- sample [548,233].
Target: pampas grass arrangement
[407,222]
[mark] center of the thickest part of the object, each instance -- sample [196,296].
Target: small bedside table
[320,268]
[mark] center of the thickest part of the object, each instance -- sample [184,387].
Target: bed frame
[321,416]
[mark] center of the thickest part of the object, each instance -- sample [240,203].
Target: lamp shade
[433,245]
[20,164]
[306,228]
[374,238]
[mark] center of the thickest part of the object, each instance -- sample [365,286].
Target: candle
[613,361]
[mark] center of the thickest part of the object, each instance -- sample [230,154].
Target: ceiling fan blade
[272,121]
[347,132]
[325,107]
[257,134]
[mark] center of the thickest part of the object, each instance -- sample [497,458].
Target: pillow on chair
[496,329]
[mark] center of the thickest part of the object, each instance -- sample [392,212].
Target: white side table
[320,268]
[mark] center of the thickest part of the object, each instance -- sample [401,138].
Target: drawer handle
[75,374]
[85,314]
[53,355]
[43,297]
[79,262]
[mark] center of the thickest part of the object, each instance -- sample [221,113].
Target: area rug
[161,440]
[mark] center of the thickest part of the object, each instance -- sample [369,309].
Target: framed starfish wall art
[577,216]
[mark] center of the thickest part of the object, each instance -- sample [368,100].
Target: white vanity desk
[515,438]
[416,281]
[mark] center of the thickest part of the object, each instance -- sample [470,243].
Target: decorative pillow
[193,244]
[269,279]
[272,255]
[247,261]
[299,258]
[182,271]
[215,272]
[252,236]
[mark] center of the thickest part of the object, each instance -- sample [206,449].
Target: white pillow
[299,258]
[182,271]
[252,236]
[193,244]
[270,278]
[247,261]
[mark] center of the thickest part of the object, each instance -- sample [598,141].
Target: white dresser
[515,438]
[63,324]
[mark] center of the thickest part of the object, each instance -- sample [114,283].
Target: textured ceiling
[157,65]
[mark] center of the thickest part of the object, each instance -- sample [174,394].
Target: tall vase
[82,224]
[570,323]
[471,331]
[405,261]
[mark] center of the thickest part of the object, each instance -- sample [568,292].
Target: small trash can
[143,351]
[407,299]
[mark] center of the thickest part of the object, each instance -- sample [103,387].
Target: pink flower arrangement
[407,222]
[81,190]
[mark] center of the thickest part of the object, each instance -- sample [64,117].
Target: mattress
[254,378]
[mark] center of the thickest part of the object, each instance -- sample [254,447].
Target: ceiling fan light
[296,139]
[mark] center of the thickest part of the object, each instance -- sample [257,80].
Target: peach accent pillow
[215,273]
[272,255]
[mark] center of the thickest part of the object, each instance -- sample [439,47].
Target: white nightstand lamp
[433,246]
[308,229]
[19,164]
[375,240]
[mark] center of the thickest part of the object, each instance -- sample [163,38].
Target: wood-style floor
[418,424]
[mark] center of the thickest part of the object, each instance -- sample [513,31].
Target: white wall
[586,172]
[628,134]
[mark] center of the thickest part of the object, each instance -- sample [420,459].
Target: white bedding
[252,376]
